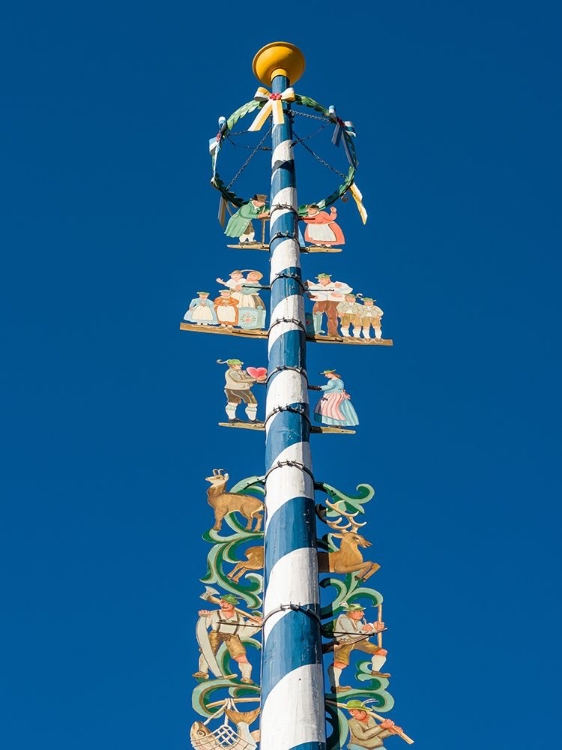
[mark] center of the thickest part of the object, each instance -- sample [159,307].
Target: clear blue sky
[108,225]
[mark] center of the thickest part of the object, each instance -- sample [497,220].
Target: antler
[351,525]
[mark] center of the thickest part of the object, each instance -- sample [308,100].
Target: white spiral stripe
[289,307]
[285,255]
[286,197]
[282,152]
[287,387]
[288,583]
[296,452]
[293,713]
[272,621]
[292,308]
[295,483]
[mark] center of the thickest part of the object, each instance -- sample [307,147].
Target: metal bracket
[288,462]
[280,368]
[283,207]
[283,236]
[296,277]
[294,608]
[297,322]
[293,409]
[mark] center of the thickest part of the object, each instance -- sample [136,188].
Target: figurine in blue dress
[335,407]
[201,311]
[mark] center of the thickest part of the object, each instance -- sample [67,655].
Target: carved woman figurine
[335,407]
[226,308]
[321,227]
[201,311]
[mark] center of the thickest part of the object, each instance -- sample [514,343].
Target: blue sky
[110,413]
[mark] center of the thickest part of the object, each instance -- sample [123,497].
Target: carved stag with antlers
[348,558]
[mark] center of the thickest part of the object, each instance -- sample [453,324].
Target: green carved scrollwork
[349,591]
[215,691]
[352,502]
[348,588]
[230,549]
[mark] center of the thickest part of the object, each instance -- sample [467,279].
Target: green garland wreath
[305,101]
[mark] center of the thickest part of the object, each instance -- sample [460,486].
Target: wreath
[271,104]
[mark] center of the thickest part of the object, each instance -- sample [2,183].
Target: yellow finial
[278,59]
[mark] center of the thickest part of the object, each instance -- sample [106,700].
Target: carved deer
[223,502]
[254,561]
[348,558]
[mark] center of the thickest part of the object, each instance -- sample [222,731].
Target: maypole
[292,653]
[280,596]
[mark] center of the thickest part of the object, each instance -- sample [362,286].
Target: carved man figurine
[238,390]
[240,223]
[229,627]
[364,730]
[352,633]
[370,315]
[348,314]
[326,295]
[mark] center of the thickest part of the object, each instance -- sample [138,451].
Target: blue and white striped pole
[292,684]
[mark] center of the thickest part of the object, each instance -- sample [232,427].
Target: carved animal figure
[348,558]
[223,502]
[254,561]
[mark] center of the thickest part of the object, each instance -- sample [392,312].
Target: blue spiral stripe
[305,651]
[287,530]
[292,652]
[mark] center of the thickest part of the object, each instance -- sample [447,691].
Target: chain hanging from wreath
[322,231]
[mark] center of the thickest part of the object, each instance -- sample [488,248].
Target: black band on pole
[294,608]
[300,410]
[288,462]
[280,368]
[293,276]
[283,236]
[288,320]
[283,207]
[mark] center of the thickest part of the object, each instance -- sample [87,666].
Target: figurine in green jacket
[240,223]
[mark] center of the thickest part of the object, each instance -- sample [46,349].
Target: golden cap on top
[278,58]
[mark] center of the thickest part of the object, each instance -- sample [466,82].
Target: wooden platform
[331,430]
[241,425]
[252,333]
[321,339]
[260,333]
[319,249]
[303,249]
[327,429]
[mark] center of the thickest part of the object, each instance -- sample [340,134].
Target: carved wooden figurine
[223,502]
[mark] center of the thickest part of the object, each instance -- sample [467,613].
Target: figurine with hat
[201,311]
[240,223]
[348,314]
[230,626]
[245,292]
[238,388]
[364,731]
[352,633]
[335,407]
[326,294]
[226,308]
[369,315]
[322,230]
